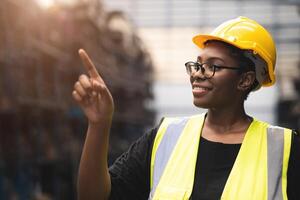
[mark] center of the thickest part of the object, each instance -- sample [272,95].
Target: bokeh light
[49,3]
[45,3]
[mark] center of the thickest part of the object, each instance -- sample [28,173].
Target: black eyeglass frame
[200,66]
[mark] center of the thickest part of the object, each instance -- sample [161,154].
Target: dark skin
[223,96]
[94,98]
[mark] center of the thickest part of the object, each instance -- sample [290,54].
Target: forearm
[94,180]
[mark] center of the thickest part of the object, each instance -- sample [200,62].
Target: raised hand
[92,94]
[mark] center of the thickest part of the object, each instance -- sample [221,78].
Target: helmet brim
[200,40]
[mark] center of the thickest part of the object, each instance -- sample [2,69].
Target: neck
[225,120]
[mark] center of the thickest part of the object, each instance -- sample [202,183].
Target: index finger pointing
[88,64]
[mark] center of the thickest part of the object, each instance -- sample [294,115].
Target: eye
[216,67]
[196,67]
[210,67]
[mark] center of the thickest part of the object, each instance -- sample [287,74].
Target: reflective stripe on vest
[259,171]
[165,148]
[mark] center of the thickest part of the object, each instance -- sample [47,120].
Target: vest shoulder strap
[260,169]
[175,136]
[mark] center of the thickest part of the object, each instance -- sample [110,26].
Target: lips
[199,90]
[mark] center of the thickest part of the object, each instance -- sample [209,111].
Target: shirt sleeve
[130,173]
[293,176]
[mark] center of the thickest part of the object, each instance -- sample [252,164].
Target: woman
[221,154]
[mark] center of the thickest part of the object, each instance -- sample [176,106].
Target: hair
[244,62]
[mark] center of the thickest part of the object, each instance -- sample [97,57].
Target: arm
[94,98]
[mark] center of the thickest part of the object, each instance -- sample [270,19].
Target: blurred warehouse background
[167,27]
[139,47]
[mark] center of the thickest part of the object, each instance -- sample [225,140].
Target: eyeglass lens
[206,69]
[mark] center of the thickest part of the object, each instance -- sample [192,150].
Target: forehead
[216,50]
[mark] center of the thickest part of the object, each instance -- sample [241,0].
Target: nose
[199,74]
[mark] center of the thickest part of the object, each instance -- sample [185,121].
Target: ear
[246,81]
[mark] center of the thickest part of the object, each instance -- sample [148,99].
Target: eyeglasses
[208,70]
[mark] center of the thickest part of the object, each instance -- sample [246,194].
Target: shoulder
[131,171]
[293,175]
[296,133]
[275,128]
[139,150]
[296,142]
[180,119]
[295,150]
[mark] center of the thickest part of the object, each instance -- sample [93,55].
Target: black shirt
[130,174]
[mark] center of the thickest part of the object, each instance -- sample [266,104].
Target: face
[222,89]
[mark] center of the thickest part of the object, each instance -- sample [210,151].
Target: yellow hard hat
[247,34]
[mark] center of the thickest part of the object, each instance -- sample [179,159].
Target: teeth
[200,88]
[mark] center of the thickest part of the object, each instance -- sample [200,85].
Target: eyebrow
[211,59]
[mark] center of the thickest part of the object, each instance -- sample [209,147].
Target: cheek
[225,84]
[224,91]
[226,87]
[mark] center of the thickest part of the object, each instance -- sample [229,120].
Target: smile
[197,88]
[200,90]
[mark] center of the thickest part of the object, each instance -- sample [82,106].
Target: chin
[201,104]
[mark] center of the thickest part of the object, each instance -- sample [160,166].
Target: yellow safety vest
[259,171]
